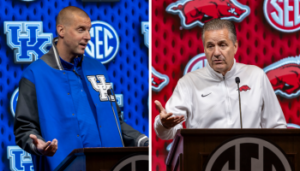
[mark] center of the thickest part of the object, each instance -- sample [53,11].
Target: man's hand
[45,148]
[166,119]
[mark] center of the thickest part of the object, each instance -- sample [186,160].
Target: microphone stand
[109,99]
[237,80]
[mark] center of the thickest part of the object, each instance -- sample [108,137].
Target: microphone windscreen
[109,92]
[237,80]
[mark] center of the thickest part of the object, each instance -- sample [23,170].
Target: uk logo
[199,12]
[283,15]
[284,76]
[101,87]
[104,43]
[197,62]
[27,40]
[19,160]
[145,32]
[159,81]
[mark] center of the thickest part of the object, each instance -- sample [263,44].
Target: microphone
[237,81]
[109,94]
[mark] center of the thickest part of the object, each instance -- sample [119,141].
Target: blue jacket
[45,108]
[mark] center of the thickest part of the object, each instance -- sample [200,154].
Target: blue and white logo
[19,160]
[145,32]
[27,40]
[13,101]
[119,98]
[104,43]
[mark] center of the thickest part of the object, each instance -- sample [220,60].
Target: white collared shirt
[208,99]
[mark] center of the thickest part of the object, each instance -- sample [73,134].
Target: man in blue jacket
[60,99]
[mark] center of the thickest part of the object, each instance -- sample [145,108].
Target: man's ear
[236,46]
[60,29]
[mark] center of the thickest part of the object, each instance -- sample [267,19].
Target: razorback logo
[198,12]
[284,76]
[245,88]
[197,62]
[159,81]
[283,15]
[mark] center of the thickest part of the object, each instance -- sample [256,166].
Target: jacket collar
[219,76]
[52,57]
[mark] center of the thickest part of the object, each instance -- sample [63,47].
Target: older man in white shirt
[208,97]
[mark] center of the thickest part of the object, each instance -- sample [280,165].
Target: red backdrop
[173,46]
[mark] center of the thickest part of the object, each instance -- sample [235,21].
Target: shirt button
[100,126]
[64,73]
[68,93]
[73,114]
[77,135]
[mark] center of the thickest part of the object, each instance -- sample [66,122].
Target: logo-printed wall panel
[177,48]
[127,69]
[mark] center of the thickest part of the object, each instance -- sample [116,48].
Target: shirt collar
[219,76]
[69,66]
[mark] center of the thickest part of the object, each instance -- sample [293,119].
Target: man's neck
[65,55]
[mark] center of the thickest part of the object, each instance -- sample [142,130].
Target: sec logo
[104,43]
[133,163]
[13,101]
[283,15]
[248,153]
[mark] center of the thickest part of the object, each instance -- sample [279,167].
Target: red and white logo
[197,62]
[283,15]
[245,88]
[199,12]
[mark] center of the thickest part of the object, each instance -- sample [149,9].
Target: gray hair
[218,24]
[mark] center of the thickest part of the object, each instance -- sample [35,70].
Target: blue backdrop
[128,69]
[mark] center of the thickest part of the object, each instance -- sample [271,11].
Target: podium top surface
[109,150]
[189,132]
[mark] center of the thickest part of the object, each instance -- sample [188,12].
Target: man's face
[77,35]
[219,50]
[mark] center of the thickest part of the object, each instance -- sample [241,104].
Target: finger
[169,116]
[159,106]
[47,145]
[34,138]
[54,145]
[177,119]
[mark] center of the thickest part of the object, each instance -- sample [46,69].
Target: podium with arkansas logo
[235,150]
[106,159]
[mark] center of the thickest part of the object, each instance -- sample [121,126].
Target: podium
[202,149]
[106,159]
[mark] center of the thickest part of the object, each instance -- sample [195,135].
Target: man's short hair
[218,24]
[65,14]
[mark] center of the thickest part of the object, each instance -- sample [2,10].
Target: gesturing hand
[45,148]
[166,119]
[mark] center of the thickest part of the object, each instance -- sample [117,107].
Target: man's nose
[217,52]
[87,35]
